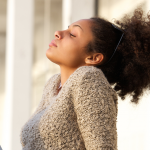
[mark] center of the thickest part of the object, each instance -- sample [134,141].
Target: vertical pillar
[47,4]
[82,9]
[47,31]
[66,13]
[74,10]
[18,71]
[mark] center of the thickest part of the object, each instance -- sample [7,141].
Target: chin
[52,58]
[49,55]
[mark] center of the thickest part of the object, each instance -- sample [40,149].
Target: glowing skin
[69,52]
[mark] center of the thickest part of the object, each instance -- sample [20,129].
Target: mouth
[53,43]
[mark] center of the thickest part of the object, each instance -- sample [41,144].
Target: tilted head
[93,42]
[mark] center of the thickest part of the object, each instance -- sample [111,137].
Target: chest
[50,122]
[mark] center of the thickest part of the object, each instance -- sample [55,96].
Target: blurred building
[26,29]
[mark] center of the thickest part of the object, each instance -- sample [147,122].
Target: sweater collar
[72,78]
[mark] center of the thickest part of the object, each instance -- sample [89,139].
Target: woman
[78,110]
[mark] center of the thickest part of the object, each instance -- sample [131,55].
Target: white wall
[110,9]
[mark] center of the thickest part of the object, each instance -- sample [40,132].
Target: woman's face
[69,50]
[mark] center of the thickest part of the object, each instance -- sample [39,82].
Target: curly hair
[129,69]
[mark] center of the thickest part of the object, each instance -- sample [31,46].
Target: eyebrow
[76,26]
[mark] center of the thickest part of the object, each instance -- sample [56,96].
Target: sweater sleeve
[96,112]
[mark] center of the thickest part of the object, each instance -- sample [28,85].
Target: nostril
[58,34]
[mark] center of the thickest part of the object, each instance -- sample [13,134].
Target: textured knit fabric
[81,116]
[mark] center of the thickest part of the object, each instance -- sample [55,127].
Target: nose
[57,35]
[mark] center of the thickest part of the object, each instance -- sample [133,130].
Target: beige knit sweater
[82,116]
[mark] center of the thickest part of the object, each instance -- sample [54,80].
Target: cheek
[69,48]
[71,53]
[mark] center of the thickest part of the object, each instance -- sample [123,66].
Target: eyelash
[72,35]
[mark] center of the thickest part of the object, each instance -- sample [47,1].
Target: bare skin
[69,53]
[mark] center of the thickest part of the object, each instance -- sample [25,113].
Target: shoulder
[91,79]
[90,74]
[91,82]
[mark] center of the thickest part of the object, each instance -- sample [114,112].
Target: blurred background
[26,29]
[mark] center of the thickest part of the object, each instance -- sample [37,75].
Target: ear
[94,59]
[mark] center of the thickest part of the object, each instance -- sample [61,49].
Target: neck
[65,73]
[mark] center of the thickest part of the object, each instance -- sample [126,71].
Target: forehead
[84,23]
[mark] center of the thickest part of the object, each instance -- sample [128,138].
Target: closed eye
[72,35]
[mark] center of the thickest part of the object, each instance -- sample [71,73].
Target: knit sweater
[82,116]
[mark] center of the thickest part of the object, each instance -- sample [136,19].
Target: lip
[53,43]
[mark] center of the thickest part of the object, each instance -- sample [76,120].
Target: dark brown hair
[129,69]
